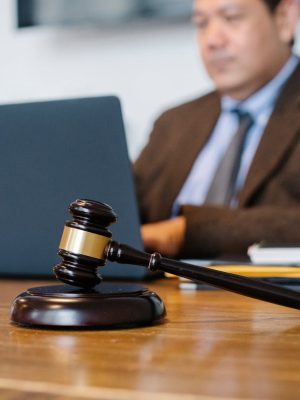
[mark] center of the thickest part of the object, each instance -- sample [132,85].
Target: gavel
[87,244]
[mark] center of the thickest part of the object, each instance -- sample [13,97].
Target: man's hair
[272,4]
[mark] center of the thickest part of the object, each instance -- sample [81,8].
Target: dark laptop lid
[52,153]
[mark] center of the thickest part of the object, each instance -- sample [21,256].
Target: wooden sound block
[108,305]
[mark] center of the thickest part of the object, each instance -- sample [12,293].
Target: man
[246,48]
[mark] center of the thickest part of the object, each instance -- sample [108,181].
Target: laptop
[52,153]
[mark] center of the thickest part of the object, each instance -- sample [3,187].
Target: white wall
[149,67]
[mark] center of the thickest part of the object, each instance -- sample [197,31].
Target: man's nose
[215,35]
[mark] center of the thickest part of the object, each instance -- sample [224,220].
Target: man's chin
[224,87]
[228,87]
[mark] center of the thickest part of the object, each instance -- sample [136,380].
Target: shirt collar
[265,97]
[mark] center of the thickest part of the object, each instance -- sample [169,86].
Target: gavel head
[84,242]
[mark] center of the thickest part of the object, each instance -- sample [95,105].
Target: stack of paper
[275,255]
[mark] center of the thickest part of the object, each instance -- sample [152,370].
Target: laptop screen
[52,153]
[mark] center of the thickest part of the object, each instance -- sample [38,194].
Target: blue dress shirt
[260,105]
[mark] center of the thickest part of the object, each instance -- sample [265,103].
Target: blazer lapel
[279,134]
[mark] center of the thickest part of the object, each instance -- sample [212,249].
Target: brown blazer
[269,203]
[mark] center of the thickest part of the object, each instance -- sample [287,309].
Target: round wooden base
[108,305]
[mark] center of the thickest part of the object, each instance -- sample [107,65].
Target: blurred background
[143,51]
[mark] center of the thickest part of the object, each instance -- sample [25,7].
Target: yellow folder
[256,271]
[260,271]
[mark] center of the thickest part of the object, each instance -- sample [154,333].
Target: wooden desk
[214,345]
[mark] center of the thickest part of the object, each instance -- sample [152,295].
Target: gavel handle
[235,283]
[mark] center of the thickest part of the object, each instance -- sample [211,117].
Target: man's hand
[166,237]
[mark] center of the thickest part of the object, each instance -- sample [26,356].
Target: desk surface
[213,345]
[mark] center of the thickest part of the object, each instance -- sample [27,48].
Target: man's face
[243,44]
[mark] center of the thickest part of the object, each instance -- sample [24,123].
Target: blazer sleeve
[148,168]
[213,231]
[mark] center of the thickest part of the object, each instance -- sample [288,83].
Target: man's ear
[286,17]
